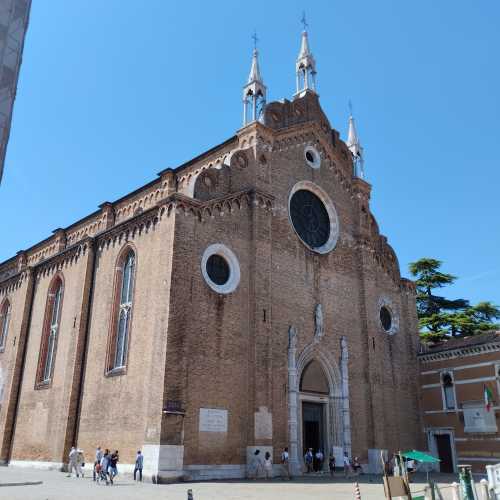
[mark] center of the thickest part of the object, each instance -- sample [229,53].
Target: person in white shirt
[285,457]
[73,460]
[347,465]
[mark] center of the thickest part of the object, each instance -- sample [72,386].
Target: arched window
[122,312]
[50,332]
[448,392]
[4,323]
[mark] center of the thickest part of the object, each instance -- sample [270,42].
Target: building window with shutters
[50,333]
[121,317]
[448,388]
[4,323]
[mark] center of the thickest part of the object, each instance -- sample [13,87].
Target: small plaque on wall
[213,420]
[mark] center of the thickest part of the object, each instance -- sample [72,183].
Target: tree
[439,317]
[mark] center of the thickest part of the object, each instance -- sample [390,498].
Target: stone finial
[292,337]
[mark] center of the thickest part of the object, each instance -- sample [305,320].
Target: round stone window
[313,217]
[312,156]
[220,268]
[385,318]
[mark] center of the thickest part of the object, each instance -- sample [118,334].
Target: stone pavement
[56,486]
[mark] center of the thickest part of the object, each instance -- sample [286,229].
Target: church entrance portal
[313,423]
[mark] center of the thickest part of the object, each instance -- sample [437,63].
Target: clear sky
[111,92]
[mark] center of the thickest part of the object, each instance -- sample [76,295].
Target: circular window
[220,268]
[312,156]
[385,318]
[313,217]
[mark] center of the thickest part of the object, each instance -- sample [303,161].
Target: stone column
[293,396]
[346,417]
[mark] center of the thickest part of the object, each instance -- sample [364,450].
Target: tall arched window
[50,332]
[4,322]
[122,311]
[448,392]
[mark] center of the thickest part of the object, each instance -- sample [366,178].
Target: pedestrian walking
[80,463]
[268,466]
[256,465]
[139,461]
[331,464]
[308,459]
[103,472]
[73,456]
[113,466]
[97,461]
[356,466]
[347,465]
[285,458]
[319,460]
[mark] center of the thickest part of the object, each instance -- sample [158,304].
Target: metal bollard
[357,493]
[190,495]
[455,493]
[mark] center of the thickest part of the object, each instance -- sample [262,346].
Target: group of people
[105,467]
[314,463]
[261,466]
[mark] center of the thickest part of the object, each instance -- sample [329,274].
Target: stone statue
[292,337]
[318,319]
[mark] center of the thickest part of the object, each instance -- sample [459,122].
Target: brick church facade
[244,300]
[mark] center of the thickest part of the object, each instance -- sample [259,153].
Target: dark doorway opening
[443,444]
[313,426]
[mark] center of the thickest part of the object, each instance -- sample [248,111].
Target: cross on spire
[303,20]
[255,39]
[350,107]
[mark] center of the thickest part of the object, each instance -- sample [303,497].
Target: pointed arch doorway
[314,419]
[318,402]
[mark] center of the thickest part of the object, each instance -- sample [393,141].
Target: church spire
[254,92]
[355,147]
[305,67]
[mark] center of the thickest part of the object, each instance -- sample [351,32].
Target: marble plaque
[213,420]
[263,424]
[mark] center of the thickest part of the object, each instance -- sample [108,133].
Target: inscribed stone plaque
[263,424]
[213,420]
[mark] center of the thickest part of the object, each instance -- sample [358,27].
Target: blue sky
[111,92]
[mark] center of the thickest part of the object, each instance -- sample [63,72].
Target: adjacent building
[244,300]
[14,15]
[460,383]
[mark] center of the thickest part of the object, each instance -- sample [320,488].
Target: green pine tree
[439,317]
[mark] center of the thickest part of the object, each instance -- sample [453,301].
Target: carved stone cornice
[68,256]
[460,352]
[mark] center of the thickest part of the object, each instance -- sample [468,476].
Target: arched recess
[319,397]
[5,311]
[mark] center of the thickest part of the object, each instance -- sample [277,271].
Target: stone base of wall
[35,464]
[163,462]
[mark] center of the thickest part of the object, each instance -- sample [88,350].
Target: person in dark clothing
[139,461]
[112,467]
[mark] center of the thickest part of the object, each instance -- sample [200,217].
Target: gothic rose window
[50,332]
[310,218]
[122,311]
[4,323]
